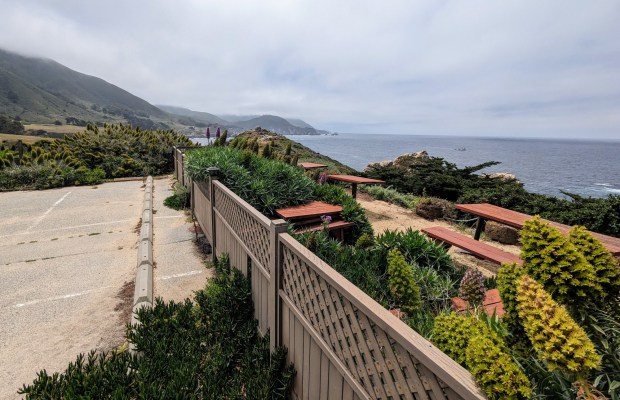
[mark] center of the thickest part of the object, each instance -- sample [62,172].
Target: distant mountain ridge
[239,123]
[39,90]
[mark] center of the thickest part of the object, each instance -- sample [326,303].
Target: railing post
[183,169]
[174,160]
[214,175]
[275,274]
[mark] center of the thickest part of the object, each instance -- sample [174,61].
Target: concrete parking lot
[67,266]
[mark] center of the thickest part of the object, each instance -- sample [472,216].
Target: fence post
[174,160]
[214,175]
[275,266]
[183,169]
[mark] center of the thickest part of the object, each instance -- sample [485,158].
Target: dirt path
[383,215]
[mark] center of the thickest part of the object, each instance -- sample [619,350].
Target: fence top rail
[446,369]
[263,220]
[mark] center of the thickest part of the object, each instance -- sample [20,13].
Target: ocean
[547,166]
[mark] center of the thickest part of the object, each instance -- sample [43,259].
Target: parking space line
[49,210]
[62,297]
[181,275]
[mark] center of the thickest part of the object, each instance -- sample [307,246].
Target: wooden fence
[344,345]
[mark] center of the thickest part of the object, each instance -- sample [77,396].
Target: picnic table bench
[475,247]
[354,181]
[307,218]
[308,165]
[486,211]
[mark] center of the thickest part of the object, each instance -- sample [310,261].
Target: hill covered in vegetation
[261,141]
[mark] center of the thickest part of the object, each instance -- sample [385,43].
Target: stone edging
[143,293]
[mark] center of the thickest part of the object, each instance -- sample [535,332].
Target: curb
[143,292]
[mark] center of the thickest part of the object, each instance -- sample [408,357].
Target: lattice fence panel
[253,234]
[202,208]
[381,365]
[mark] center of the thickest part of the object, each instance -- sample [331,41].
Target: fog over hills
[39,90]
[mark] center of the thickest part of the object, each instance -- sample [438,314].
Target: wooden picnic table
[354,181]
[486,211]
[309,165]
[311,210]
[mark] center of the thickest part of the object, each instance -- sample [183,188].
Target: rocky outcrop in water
[404,161]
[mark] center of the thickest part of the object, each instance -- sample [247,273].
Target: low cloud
[514,68]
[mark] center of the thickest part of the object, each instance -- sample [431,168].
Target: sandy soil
[383,215]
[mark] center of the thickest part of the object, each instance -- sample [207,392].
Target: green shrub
[554,334]
[404,288]
[418,249]
[390,195]
[495,371]
[452,333]
[552,260]
[365,241]
[470,342]
[266,184]
[180,198]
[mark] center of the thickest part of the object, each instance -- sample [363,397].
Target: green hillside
[44,91]
[258,139]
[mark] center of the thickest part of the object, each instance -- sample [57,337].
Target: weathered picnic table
[486,211]
[307,217]
[354,181]
[308,165]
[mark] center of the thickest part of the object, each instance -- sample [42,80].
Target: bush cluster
[180,198]
[554,342]
[205,349]
[469,341]
[88,157]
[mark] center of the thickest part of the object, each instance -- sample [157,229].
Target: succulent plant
[549,258]
[555,336]
[402,284]
[606,268]
[472,287]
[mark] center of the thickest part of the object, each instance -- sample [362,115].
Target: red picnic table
[354,181]
[307,217]
[486,211]
[309,165]
[311,210]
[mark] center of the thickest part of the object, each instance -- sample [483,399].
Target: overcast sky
[493,68]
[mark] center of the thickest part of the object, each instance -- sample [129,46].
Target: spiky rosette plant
[555,336]
[552,260]
[606,268]
[402,284]
[507,278]
[472,287]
